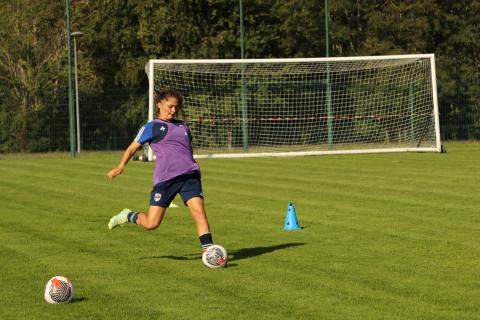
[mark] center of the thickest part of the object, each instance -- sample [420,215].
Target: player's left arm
[190,137]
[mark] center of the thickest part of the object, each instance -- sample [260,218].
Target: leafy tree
[120,36]
[457,44]
[31,64]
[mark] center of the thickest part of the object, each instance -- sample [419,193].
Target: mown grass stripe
[385,237]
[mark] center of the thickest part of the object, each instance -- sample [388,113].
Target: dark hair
[164,93]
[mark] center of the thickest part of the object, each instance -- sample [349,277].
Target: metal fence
[109,122]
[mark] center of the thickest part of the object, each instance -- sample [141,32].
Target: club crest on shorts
[157,197]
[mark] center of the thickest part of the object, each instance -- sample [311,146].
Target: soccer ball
[58,290]
[215,257]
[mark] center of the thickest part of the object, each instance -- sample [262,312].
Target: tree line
[121,36]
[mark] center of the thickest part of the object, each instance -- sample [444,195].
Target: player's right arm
[127,155]
[144,135]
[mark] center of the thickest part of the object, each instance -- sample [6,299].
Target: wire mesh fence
[109,121]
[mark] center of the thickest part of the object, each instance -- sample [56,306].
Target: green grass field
[385,236]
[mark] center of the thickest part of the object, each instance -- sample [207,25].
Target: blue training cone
[291,222]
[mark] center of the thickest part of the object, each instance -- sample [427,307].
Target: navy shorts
[188,186]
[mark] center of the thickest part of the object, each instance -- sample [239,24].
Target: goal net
[283,107]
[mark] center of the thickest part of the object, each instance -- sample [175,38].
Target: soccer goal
[314,106]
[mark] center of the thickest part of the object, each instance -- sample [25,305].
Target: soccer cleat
[119,219]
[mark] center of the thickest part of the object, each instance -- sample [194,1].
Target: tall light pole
[77,101]
[327,37]
[329,84]
[244,89]
[69,76]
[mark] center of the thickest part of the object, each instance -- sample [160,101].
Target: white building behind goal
[292,107]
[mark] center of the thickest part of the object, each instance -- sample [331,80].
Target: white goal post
[311,106]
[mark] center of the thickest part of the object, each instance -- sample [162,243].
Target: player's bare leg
[197,209]
[151,220]
[148,221]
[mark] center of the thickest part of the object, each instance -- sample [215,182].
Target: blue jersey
[172,144]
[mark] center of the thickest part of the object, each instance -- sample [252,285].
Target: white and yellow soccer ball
[215,257]
[59,290]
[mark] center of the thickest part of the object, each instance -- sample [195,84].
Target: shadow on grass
[234,255]
[247,253]
[78,299]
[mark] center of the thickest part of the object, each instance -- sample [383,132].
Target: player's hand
[115,172]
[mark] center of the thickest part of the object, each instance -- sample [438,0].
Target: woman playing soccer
[175,170]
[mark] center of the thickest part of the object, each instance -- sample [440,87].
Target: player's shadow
[246,253]
[235,255]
